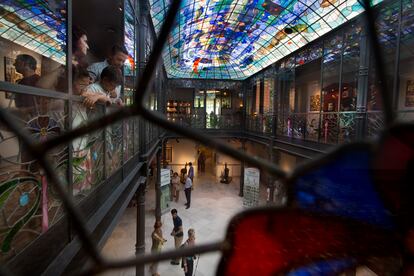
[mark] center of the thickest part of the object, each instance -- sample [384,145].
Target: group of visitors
[186,179]
[187,262]
[99,82]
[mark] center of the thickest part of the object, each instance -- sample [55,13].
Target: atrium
[207,137]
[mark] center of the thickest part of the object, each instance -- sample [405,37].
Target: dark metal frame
[138,109]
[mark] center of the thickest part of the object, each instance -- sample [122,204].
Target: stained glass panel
[88,157]
[233,39]
[29,204]
[129,38]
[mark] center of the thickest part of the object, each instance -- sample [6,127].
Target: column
[140,238]
[270,183]
[158,187]
[242,164]
[244,113]
[362,86]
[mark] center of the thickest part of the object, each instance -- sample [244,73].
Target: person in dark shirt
[26,65]
[191,172]
[27,104]
[177,233]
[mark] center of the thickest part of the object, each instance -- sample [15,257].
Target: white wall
[182,152]
[232,164]
[186,151]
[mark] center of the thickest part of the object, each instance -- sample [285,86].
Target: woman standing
[157,243]
[188,261]
[175,181]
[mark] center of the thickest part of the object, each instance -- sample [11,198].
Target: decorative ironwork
[347,127]
[202,84]
[375,123]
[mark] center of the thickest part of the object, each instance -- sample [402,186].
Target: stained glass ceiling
[38,25]
[233,39]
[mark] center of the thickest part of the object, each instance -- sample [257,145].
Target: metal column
[242,164]
[140,245]
[158,187]
[270,183]
[362,86]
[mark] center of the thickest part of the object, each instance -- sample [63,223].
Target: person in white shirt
[116,58]
[105,89]
[187,190]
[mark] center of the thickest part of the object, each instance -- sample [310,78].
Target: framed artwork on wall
[409,94]
[10,74]
[315,103]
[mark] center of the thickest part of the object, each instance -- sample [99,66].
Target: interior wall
[183,150]
[232,164]
[287,161]
[262,151]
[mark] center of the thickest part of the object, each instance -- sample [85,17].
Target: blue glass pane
[343,187]
[324,268]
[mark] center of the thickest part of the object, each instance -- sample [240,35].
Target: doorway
[205,161]
[213,108]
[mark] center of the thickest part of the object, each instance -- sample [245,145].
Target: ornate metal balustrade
[261,123]
[220,122]
[327,127]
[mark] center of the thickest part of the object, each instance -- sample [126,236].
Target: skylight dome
[226,39]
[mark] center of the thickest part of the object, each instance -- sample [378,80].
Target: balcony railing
[332,127]
[83,164]
[224,122]
[325,127]
[261,123]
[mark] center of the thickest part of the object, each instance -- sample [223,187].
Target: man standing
[27,105]
[26,65]
[191,172]
[187,190]
[177,233]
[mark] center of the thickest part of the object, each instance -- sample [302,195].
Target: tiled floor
[212,206]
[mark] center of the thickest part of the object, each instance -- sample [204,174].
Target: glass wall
[387,29]
[320,86]
[405,95]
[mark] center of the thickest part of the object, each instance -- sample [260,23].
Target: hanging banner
[251,187]
[165,190]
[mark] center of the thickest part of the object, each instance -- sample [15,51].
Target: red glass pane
[275,241]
